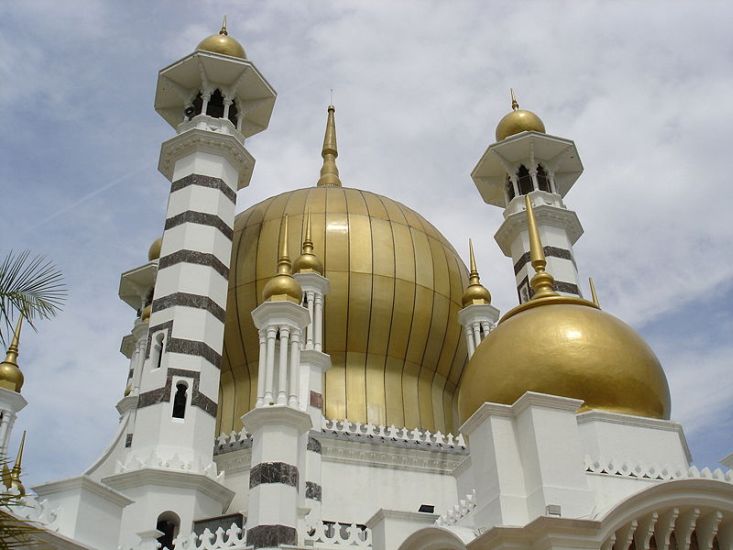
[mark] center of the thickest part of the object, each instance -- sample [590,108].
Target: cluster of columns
[477,320]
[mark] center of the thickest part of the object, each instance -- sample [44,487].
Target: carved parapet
[391,434]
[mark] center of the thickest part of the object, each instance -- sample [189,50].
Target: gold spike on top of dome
[283,287]
[475,293]
[307,261]
[542,283]
[15,482]
[518,120]
[594,295]
[11,377]
[329,170]
[222,43]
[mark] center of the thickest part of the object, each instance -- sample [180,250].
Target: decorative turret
[11,377]
[478,316]
[527,161]
[11,382]
[283,287]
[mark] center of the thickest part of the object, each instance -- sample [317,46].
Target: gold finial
[283,287]
[475,293]
[515,103]
[223,30]
[11,377]
[329,170]
[542,283]
[593,294]
[307,261]
[15,481]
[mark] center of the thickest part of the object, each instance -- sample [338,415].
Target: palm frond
[31,286]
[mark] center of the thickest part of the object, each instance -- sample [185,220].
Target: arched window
[543,181]
[509,188]
[233,112]
[524,180]
[168,524]
[179,401]
[158,351]
[215,106]
[196,107]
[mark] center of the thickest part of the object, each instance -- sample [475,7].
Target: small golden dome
[519,120]
[222,43]
[307,261]
[566,346]
[11,377]
[283,287]
[475,293]
[147,310]
[154,250]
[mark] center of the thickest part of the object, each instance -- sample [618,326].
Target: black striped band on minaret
[550,251]
[273,472]
[194,257]
[200,218]
[559,286]
[271,536]
[183,346]
[313,491]
[313,445]
[163,395]
[190,300]
[205,181]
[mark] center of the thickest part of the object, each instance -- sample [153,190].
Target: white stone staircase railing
[459,511]
[326,534]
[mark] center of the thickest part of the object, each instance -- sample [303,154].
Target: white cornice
[83,483]
[546,215]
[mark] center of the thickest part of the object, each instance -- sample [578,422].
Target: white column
[318,322]
[261,369]
[294,369]
[476,334]
[485,328]
[469,341]
[270,364]
[309,328]
[282,383]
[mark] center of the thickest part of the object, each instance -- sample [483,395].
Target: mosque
[323,370]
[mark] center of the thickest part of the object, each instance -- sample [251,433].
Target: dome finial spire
[16,471]
[475,293]
[542,283]
[515,103]
[11,376]
[308,261]
[329,170]
[283,287]
[223,29]
[594,295]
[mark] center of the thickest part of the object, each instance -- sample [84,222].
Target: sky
[642,88]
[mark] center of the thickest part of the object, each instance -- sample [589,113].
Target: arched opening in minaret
[524,180]
[158,351]
[233,112]
[509,189]
[179,401]
[543,181]
[168,524]
[215,107]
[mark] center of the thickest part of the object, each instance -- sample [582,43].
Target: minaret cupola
[11,377]
[517,121]
[222,43]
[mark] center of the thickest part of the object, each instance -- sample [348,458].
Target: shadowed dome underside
[391,323]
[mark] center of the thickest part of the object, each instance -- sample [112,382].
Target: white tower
[11,381]
[278,422]
[214,98]
[526,161]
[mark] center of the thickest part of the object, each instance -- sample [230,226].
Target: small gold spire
[542,282]
[307,261]
[283,287]
[475,293]
[515,103]
[15,481]
[11,377]
[593,294]
[329,170]
[223,29]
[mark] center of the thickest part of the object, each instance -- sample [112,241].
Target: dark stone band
[194,257]
[551,251]
[271,536]
[179,345]
[190,300]
[314,445]
[313,491]
[163,395]
[273,472]
[316,400]
[559,286]
[205,181]
[201,219]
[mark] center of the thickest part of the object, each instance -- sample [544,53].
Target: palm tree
[30,286]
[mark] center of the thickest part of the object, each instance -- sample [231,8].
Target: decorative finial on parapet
[15,473]
[329,170]
[542,282]
[594,295]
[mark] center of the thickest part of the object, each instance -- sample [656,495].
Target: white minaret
[478,317]
[215,98]
[278,423]
[11,381]
[526,161]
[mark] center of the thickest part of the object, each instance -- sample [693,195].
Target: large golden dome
[566,346]
[391,323]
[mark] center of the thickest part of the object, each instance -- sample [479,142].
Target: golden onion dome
[154,250]
[564,346]
[11,377]
[475,292]
[518,120]
[283,286]
[222,43]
